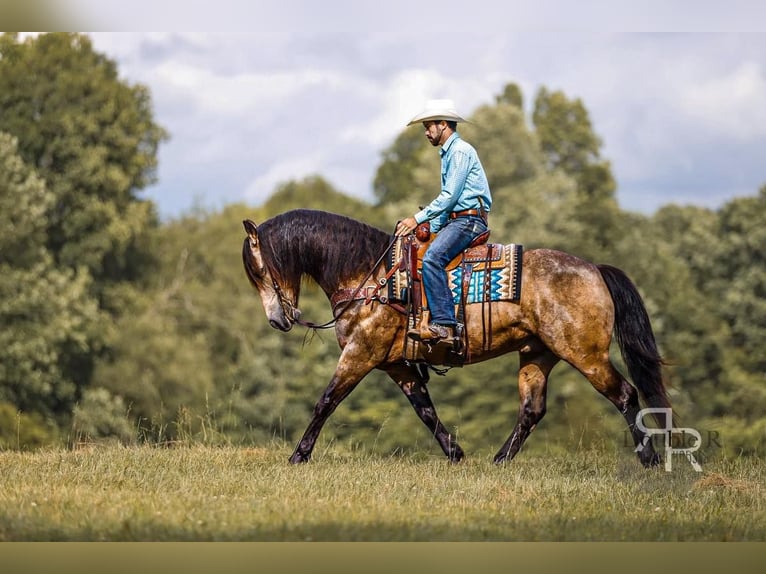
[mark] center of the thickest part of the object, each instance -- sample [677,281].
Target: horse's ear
[251,228]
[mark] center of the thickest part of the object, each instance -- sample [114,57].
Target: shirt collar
[446,145]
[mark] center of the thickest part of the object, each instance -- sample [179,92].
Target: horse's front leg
[413,385]
[351,369]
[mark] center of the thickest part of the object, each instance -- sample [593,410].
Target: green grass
[206,493]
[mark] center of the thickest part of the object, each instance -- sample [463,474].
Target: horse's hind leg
[413,384]
[534,369]
[608,381]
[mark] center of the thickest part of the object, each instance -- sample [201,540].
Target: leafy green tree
[724,319]
[394,179]
[565,132]
[680,246]
[314,192]
[155,370]
[24,202]
[739,288]
[741,273]
[47,319]
[700,271]
[567,139]
[511,95]
[100,414]
[93,139]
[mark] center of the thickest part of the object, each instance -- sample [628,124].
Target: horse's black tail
[635,337]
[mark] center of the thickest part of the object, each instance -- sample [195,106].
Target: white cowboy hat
[438,110]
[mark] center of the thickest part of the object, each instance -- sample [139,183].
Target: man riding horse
[568,310]
[458,215]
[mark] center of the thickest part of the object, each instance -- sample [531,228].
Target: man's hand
[406,226]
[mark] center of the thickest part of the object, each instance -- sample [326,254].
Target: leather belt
[467,212]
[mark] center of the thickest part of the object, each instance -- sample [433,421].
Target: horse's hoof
[455,459]
[501,459]
[653,460]
[298,458]
[455,454]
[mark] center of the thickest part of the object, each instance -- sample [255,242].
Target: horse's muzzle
[285,321]
[283,325]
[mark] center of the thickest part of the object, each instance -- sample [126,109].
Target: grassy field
[204,493]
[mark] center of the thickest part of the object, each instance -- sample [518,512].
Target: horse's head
[278,301]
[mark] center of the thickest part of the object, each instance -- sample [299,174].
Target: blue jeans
[453,238]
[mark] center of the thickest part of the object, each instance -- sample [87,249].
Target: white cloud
[254,110]
[261,187]
[394,104]
[668,108]
[401,97]
[241,95]
[730,105]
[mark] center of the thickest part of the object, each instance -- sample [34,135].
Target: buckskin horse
[567,310]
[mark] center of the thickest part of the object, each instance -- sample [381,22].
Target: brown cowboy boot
[440,335]
[431,334]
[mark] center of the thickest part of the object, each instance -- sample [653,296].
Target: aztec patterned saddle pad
[489,272]
[494,279]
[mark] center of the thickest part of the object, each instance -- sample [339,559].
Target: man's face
[435,131]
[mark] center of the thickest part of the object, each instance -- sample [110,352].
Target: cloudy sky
[283,90]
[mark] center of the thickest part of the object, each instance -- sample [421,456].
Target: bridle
[292,313]
[289,310]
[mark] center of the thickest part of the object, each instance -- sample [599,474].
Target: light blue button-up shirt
[464,184]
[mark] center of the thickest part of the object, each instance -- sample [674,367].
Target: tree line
[117,326]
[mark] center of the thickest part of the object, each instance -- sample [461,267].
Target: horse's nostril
[286,326]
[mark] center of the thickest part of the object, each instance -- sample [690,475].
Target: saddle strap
[486,318]
[346,295]
[467,271]
[382,283]
[366,294]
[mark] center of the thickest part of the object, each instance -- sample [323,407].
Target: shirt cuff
[421,216]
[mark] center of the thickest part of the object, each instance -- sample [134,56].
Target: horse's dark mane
[325,246]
